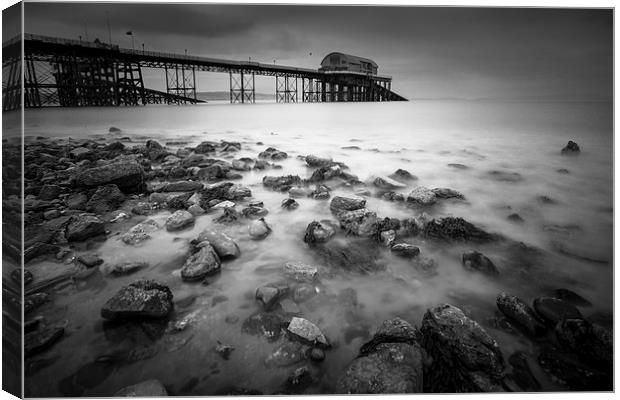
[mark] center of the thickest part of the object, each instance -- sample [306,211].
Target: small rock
[405,250]
[476,261]
[339,204]
[446,193]
[140,232]
[141,299]
[301,272]
[224,350]
[388,237]
[224,245]
[571,297]
[290,204]
[90,260]
[387,183]
[422,196]
[361,222]
[403,175]
[318,233]
[180,219]
[195,210]
[182,186]
[554,310]
[316,354]
[126,268]
[514,217]
[105,199]
[268,296]
[259,229]
[202,263]
[305,330]
[39,340]
[571,148]
[224,204]
[84,226]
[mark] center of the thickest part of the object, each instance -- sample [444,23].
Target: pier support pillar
[286,89]
[242,87]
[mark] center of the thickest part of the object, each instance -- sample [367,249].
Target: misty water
[568,216]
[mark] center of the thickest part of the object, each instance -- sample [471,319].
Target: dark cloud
[11,22]
[430,52]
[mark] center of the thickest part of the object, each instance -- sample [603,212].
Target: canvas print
[230,199]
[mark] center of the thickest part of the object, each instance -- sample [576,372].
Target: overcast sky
[430,52]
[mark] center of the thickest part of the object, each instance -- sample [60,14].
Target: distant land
[225,95]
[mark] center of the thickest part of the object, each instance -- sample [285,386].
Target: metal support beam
[286,89]
[242,87]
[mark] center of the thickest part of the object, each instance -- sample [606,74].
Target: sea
[510,162]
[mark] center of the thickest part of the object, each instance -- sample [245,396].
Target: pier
[69,73]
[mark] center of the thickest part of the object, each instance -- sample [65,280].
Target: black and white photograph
[244,199]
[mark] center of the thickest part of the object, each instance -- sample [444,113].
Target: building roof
[350,58]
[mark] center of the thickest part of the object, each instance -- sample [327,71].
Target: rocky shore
[78,191]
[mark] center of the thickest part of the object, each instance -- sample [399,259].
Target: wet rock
[286,354]
[465,357]
[514,217]
[80,153]
[140,232]
[354,256]
[554,310]
[90,260]
[388,237]
[405,250]
[403,175]
[180,219]
[339,204]
[393,196]
[34,301]
[268,296]
[259,229]
[301,272]
[42,339]
[422,196]
[203,262]
[217,191]
[315,354]
[194,160]
[334,171]
[361,222]
[571,148]
[126,268]
[142,208]
[457,229]
[254,212]
[303,292]
[395,330]
[522,373]
[387,183]
[127,175]
[307,332]
[299,192]
[141,299]
[241,165]
[272,153]
[281,183]
[205,147]
[264,324]
[76,201]
[299,380]
[224,204]
[591,342]
[224,350]
[318,233]
[321,192]
[224,245]
[105,199]
[195,210]
[317,162]
[290,204]
[182,186]
[150,388]
[521,314]
[49,192]
[84,226]
[446,193]
[458,166]
[571,297]
[503,176]
[229,215]
[476,261]
[567,370]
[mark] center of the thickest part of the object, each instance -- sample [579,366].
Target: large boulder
[205,147]
[107,198]
[456,229]
[150,388]
[127,175]
[223,244]
[362,222]
[465,358]
[179,219]
[203,262]
[141,299]
[84,226]
[476,261]
[339,204]
[392,362]
[521,314]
